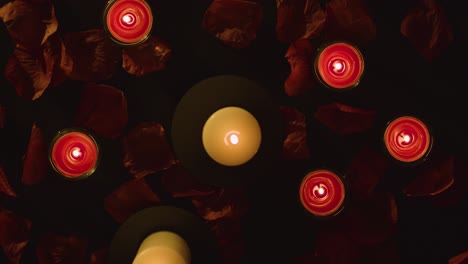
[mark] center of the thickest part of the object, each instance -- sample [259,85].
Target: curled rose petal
[435,176]
[345,119]
[224,203]
[30,23]
[57,249]
[295,145]
[146,150]
[365,172]
[130,198]
[234,22]
[19,78]
[178,182]
[299,19]
[89,56]
[148,57]
[461,258]
[5,187]
[228,234]
[456,191]
[35,162]
[372,221]
[428,28]
[102,110]
[14,234]
[348,20]
[300,56]
[99,256]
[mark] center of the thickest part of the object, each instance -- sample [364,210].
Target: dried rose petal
[229,236]
[35,162]
[299,19]
[130,198]
[345,119]
[89,56]
[230,203]
[365,171]
[5,187]
[99,256]
[14,234]
[295,145]
[456,191]
[30,23]
[234,22]
[19,78]
[300,56]
[102,110]
[57,249]
[461,258]
[52,54]
[148,57]
[349,20]
[372,221]
[435,176]
[179,183]
[428,28]
[146,150]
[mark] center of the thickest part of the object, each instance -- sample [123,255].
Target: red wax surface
[407,139]
[74,154]
[322,193]
[129,21]
[340,65]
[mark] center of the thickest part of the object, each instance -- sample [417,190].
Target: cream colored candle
[163,247]
[231,136]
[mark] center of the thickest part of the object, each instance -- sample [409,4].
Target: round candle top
[163,247]
[407,139]
[128,21]
[340,65]
[231,136]
[74,154]
[322,193]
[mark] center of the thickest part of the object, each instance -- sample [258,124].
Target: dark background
[397,81]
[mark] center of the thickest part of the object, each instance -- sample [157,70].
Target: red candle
[74,154]
[322,193]
[128,22]
[339,65]
[407,139]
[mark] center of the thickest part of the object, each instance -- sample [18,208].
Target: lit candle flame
[406,138]
[234,139]
[338,66]
[76,153]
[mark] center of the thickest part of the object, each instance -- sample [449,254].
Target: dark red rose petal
[102,110]
[99,256]
[234,22]
[148,57]
[295,145]
[89,56]
[179,183]
[14,234]
[30,23]
[461,258]
[456,191]
[5,187]
[57,249]
[335,247]
[435,176]
[52,54]
[300,58]
[35,162]
[224,203]
[19,78]
[348,20]
[130,198]
[229,237]
[298,19]
[146,150]
[365,171]
[428,28]
[345,119]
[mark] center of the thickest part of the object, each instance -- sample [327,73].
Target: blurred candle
[163,247]
[322,193]
[128,22]
[74,154]
[339,65]
[407,139]
[231,136]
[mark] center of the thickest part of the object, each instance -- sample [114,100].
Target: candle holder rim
[118,42]
[320,49]
[89,134]
[343,206]
[414,163]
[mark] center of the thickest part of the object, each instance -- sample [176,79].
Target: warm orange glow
[231,136]
[163,247]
